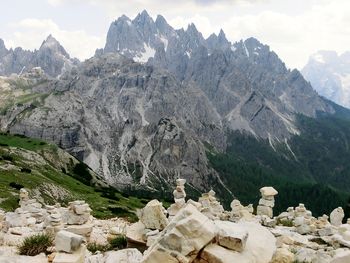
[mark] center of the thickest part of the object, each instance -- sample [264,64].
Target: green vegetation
[61,178]
[34,245]
[22,141]
[316,173]
[116,243]
[94,247]
[119,242]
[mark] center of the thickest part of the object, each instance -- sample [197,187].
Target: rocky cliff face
[248,86]
[145,109]
[51,57]
[132,123]
[329,74]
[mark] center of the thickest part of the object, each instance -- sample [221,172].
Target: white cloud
[29,34]
[293,28]
[202,23]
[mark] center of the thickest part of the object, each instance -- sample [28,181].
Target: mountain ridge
[141,123]
[51,57]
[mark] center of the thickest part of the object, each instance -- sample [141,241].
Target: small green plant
[34,245]
[285,222]
[94,247]
[119,242]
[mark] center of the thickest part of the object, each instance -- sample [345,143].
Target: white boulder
[231,236]
[68,242]
[153,215]
[336,217]
[183,238]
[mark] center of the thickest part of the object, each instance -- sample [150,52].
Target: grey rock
[51,57]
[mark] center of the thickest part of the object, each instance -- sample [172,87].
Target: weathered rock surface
[131,255]
[153,215]
[183,238]
[68,242]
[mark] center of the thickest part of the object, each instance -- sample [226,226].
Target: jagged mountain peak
[122,19]
[51,57]
[3,49]
[222,34]
[52,44]
[160,20]
[143,18]
[192,29]
[2,44]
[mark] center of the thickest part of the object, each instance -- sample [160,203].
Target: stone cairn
[210,206]
[53,222]
[179,198]
[71,226]
[267,201]
[189,232]
[239,211]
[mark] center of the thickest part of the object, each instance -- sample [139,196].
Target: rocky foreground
[199,232]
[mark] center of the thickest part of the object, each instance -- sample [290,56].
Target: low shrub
[119,242]
[26,170]
[34,245]
[94,247]
[16,185]
[7,157]
[285,222]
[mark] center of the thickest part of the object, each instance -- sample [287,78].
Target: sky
[294,29]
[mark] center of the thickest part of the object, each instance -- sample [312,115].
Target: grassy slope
[28,154]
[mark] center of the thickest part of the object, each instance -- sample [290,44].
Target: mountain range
[51,57]
[156,104]
[329,74]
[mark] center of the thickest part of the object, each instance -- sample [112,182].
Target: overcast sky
[293,28]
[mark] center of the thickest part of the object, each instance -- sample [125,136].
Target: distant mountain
[329,74]
[51,57]
[248,86]
[158,103]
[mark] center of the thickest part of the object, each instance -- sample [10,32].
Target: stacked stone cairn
[239,212]
[191,232]
[267,201]
[53,222]
[210,206]
[179,198]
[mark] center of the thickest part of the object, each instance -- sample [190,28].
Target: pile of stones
[188,231]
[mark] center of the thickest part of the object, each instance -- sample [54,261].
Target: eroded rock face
[140,114]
